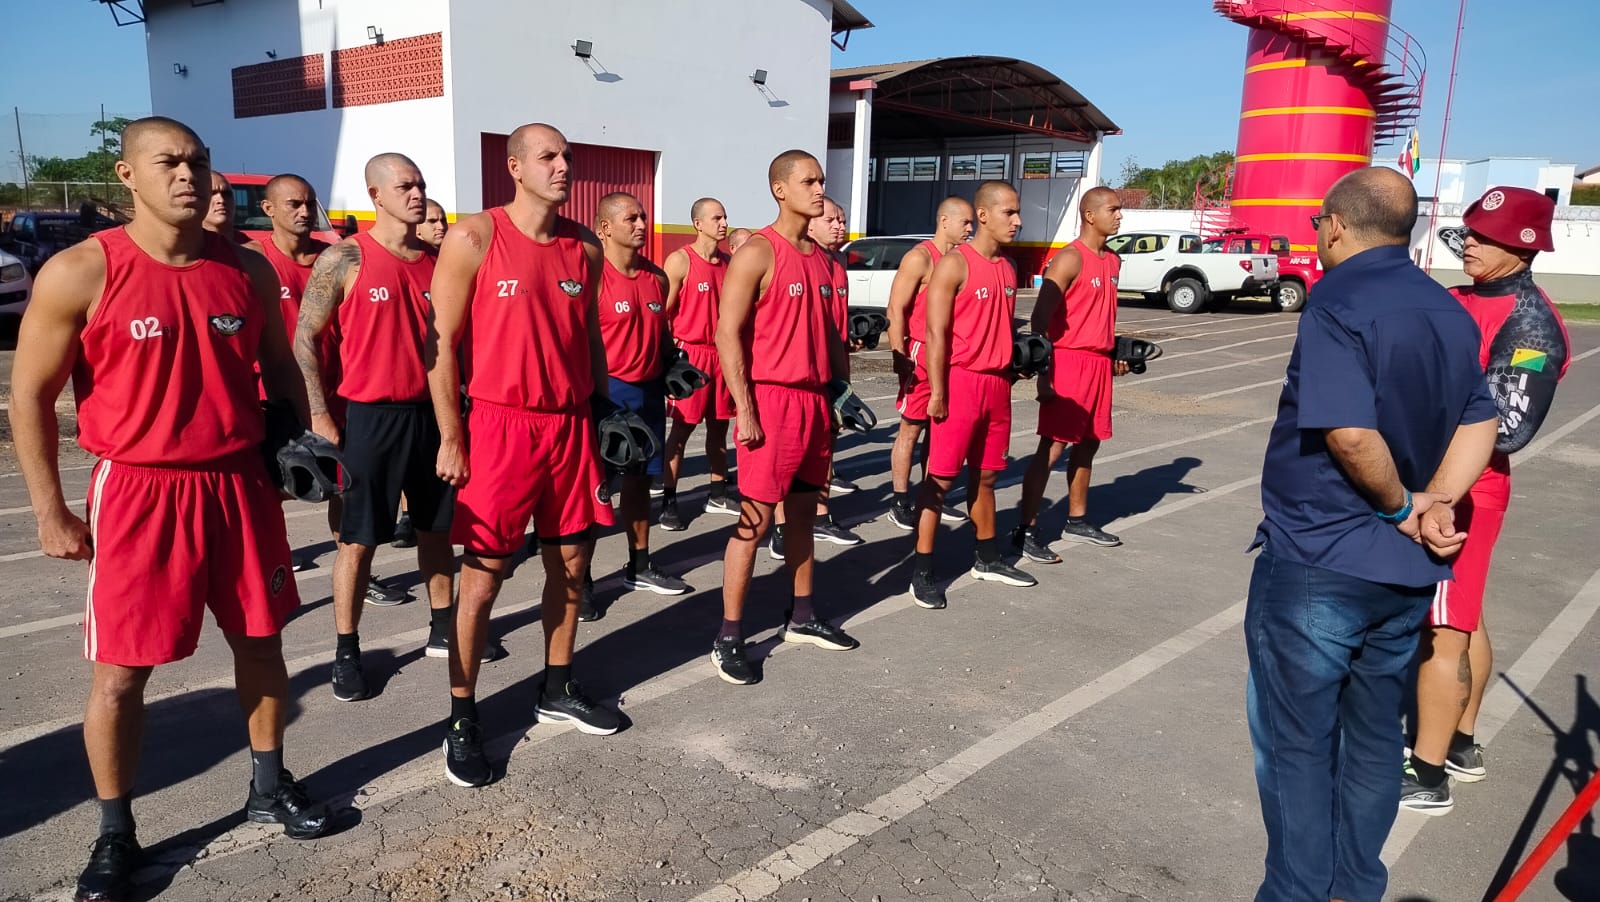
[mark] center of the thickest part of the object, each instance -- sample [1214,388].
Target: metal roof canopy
[968,96]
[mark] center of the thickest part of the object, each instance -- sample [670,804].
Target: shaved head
[140,130]
[1095,197]
[522,140]
[784,163]
[1378,204]
[280,183]
[385,163]
[698,209]
[614,203]
[954,207]
[993,192]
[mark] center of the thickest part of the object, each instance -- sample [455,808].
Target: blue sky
[1167,71]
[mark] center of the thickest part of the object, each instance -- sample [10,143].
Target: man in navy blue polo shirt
[1383,421]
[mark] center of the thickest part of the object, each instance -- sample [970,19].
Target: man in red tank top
[694,289]
[907,318]
[972,296]
[737,238]
[1077,311]
[1525,350]
[633,327]
[139,317]
[220,215]
[517,325]
[828,233]
[779,348]
[371,289]
[434,225]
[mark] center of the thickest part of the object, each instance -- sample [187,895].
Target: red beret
[1515,217]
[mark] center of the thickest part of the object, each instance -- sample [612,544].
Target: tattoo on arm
[324,291]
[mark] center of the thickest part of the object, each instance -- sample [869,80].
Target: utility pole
[27,194]
[105,189]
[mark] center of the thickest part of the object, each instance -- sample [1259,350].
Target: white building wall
[329,147]
[671,77]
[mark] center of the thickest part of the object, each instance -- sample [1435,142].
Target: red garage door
[597,171]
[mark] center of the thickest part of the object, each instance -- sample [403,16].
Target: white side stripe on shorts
[91,634]
[1441,603]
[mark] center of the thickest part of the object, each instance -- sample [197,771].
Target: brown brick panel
[400,69]
[281,86]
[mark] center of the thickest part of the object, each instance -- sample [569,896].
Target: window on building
[911,169]
[872,169]
[1069,164]
[971,167]
[1037,165]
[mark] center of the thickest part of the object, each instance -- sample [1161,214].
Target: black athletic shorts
[389,449]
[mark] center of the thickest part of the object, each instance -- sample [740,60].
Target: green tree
[1586,195]
[1172,185]
[98,165]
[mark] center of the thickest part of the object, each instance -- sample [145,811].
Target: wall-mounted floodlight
[374,33]
[272,54]
[583,49]
[760,77]
[180,70]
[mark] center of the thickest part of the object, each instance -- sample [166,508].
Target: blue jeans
[1328,660]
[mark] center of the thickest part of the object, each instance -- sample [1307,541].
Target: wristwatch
[1400,515]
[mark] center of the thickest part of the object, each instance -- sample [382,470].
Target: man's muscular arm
[1058,277]
[749,269]
[908,280]
[949,274]
[454,276]
[1522,394]
[47,347]
[280,379]
[599,368]
[676,267]
[325,290]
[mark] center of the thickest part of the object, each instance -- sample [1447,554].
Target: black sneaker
[651,579]
[464,763]
[926,592]
[657,488]
[1002,572]
[1084,531]
[573,707]
[349,683]
[951,514]
[723,504]
[108,877]
[405,535]
[817,632]
[1433,801]
[828,529]
[1466,765]
[439,646]
[728,656]
[290,806]
[903,517]
[1026,541]
[298,564]
[670,519]
[775,547]
[384,596]
[837,486]
[587,612]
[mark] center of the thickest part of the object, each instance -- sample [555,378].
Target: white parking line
[1228,347]
[1240,388]
[1209,369]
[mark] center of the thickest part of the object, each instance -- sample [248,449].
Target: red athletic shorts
[1458,602]
[913,400]
[694,408]
[798,444]
[1081,410]
[522,464]
[978,429]
[169,543]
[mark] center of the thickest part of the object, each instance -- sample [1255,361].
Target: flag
[1411,156]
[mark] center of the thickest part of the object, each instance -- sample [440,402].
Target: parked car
[1173,265]
[249,190]
[871,264]
[1298,271]
[16,285]
[34,236]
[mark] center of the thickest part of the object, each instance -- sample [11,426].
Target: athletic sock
[1461,741]
[800,610]
[463,708]
[556,678]
[1429,775]
[116,815]
[718,488]
[988,550]
[924,563]
[439,618]
[669,493]
[902,500]
[347,645]
[1075,520]
[264,770]
[638,560]
[732,631]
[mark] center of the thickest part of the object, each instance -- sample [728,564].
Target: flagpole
[1444,135]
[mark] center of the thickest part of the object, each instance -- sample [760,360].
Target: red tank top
[526,341]
[980,329]
[383,323]
[166,374]
[789,340]
[1086,320]
[633,323]
[292,278]
[918,325]
[840,308]
[694,321]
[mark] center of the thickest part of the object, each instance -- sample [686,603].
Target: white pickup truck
[1175,265]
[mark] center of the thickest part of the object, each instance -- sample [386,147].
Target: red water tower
[1323,81]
